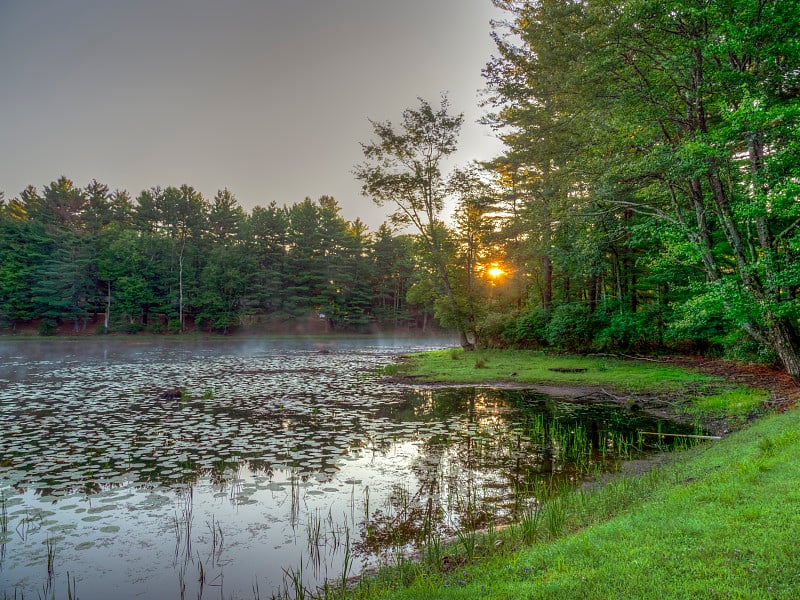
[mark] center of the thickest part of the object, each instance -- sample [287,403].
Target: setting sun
[494,272]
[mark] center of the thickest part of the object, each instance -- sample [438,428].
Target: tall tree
[403,168]
[265,236]
[687,114]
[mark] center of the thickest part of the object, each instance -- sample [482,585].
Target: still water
[229,469]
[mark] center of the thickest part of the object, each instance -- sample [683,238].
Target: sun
[495,271]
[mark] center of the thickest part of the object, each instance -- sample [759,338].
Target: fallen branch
[617,398]
[686,435]
[620,355]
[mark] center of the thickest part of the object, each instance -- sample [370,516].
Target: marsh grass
[5,535]
[735,404]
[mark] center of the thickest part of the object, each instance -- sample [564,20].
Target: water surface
[217,468]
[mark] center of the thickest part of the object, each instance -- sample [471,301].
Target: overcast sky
[269,98]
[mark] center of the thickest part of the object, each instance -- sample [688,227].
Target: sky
[268,98]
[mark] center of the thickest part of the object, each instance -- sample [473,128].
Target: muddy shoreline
[784,391]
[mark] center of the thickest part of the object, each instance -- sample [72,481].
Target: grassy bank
[721,521]
[698,395]
[526,366]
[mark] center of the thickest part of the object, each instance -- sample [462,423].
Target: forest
[647,200]
[170,260]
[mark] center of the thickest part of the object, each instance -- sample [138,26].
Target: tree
[264,233]
[474,248]
[680,119]
[393,257]
[224,282]
[224,217]
[403,168]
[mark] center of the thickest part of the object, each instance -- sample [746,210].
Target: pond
[232,469]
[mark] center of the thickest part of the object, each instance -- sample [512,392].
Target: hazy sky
[269,98]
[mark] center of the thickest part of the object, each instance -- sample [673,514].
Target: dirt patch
[784,391]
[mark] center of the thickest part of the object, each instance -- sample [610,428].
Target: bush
[528,328]
[495,330]
[47,327]
[570,327]
[618,328]
[133,328]
[739,346]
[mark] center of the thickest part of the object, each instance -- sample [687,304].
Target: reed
[3,516]
[50,546]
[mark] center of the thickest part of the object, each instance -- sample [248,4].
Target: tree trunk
[180,286]
[547,283]
[448,290]
[782,340]
[107,318]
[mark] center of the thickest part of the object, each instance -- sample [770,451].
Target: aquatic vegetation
[301,467]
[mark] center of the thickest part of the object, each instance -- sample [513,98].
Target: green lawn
[526,366]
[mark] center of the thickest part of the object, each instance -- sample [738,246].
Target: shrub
[618,328]
[569,327]
[47,327]
[739,346]
[133,328]
[528,328]
[494,331]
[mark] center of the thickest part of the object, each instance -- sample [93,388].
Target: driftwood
[686,435]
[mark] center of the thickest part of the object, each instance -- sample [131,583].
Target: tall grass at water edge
[721,520]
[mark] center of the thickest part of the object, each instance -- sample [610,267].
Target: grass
[525,366]
[720,521]
[736,404]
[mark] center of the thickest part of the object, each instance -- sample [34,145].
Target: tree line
[171,259]
[649,193]
[654,147]
[648,198]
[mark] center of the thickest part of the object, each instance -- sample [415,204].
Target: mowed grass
[524,366]
[722,520]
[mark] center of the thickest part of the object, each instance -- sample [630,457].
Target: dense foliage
[648,198]
[172,260]
[652,159]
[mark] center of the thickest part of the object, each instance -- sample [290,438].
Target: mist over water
[210,468]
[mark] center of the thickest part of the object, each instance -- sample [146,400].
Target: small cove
[280,456]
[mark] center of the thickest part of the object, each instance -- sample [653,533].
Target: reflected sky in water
[144,464]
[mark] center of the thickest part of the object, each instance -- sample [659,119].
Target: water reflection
[157,469]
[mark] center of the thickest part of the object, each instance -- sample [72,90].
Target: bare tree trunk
[107,319]
[180,285]
[783,341]
[466,344]
[547,283]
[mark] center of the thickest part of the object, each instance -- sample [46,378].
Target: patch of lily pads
[105,442]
